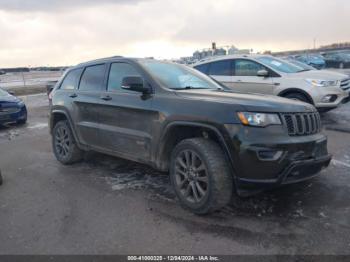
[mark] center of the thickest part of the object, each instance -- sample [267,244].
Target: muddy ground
[107,205]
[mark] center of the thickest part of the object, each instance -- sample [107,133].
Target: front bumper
[13,115]
[267,157]
[338,97]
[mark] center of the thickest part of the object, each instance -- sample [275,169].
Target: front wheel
[200,175]
[64,144]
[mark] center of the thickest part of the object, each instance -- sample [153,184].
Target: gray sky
[57,32]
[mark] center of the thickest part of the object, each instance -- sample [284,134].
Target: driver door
[245,77]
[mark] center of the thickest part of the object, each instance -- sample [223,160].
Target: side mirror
[263,73]
[11,93]
[134,83]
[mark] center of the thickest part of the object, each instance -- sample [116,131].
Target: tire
[64,145]
[297,96]
[205,186]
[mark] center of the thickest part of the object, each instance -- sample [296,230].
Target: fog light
[269,155]
[329,98]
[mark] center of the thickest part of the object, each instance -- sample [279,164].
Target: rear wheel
[201,175]
[297,96]
[64,144]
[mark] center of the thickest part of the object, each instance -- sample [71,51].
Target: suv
[269,75]
[169,116]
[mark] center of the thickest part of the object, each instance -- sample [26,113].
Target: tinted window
[118,72]
[220,68]
[71,81]
[179,77]
[202,68]
[92,78]
[247,68]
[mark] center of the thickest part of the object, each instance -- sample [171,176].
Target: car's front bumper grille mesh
[302,124]
[10,110]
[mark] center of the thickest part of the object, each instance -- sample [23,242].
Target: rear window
[71,81]
[92,78]
[220,68]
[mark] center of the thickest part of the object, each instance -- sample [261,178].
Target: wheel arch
[179,130]
[296,90]
[58,115]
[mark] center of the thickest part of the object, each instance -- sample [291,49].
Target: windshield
[280,65]
[175,76]
[3,93]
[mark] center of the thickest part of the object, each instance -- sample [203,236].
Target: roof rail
[101,59]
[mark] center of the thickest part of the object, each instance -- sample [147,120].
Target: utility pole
[314,42]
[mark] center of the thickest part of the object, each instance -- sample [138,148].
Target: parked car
[12,109]
[314,60]
[298,63]
[337,59]
[270,75]
[212,141]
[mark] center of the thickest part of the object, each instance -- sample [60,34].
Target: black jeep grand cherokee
[176,119]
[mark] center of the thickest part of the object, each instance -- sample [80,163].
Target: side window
[202,68]
[71,81]
[220,68]
[247,68]
[92,78]
[116,74]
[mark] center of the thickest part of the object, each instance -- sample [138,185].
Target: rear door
[126,116]
[221,71]
[87,104]
[245,77]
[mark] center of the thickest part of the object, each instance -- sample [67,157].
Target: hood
[319,74]
[249,102]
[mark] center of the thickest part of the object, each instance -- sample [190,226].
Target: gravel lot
[107,205]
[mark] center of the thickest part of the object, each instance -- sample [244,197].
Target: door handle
[73,95]
[106,98]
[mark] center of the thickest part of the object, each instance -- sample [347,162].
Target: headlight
[322,83]
[258,119]
[20,103]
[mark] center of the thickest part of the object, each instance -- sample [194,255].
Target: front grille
[345,84]
[302,124]
[10,110]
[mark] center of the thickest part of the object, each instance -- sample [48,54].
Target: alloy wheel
[191,176]
[62,141]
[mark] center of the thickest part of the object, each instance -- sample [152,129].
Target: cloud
[161,28]
[56,5]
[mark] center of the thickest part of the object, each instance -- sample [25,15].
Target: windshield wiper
[303,70]
[191,87]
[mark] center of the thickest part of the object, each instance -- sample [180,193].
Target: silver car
[269,75]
